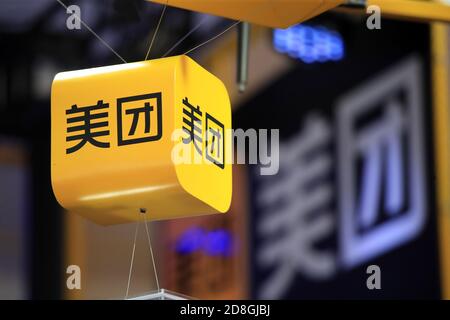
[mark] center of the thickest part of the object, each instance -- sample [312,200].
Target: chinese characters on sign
[134,107]
[86,117]
[376,200]
[139,119]
[214,133]
[389,208]
[303,216]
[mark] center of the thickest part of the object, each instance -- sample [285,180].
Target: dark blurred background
[363,155]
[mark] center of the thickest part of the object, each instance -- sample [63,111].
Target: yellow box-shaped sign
[270,13]
[149,136]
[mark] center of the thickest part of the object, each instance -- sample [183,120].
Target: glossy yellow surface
[440,45]
[112,184]
[270,13]
[413,9]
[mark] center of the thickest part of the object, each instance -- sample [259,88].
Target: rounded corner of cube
[57,192]
[225,208]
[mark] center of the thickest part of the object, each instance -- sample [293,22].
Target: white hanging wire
[136,232]
[132,259]
[94,33]
[185,36]
[156,30]
[213,38]
[151,253]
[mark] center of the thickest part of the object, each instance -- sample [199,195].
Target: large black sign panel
[355,192]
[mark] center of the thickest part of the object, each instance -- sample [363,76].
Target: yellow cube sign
[270,13]
[151,136]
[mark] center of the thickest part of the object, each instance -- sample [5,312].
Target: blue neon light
[218,242]
[190,241]
[309,43]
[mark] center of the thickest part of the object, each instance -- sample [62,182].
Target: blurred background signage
[355,186]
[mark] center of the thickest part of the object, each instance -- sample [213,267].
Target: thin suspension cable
[132,259]
[213,38]
[156,31]
[185,36]
[93,32]
[151,252]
